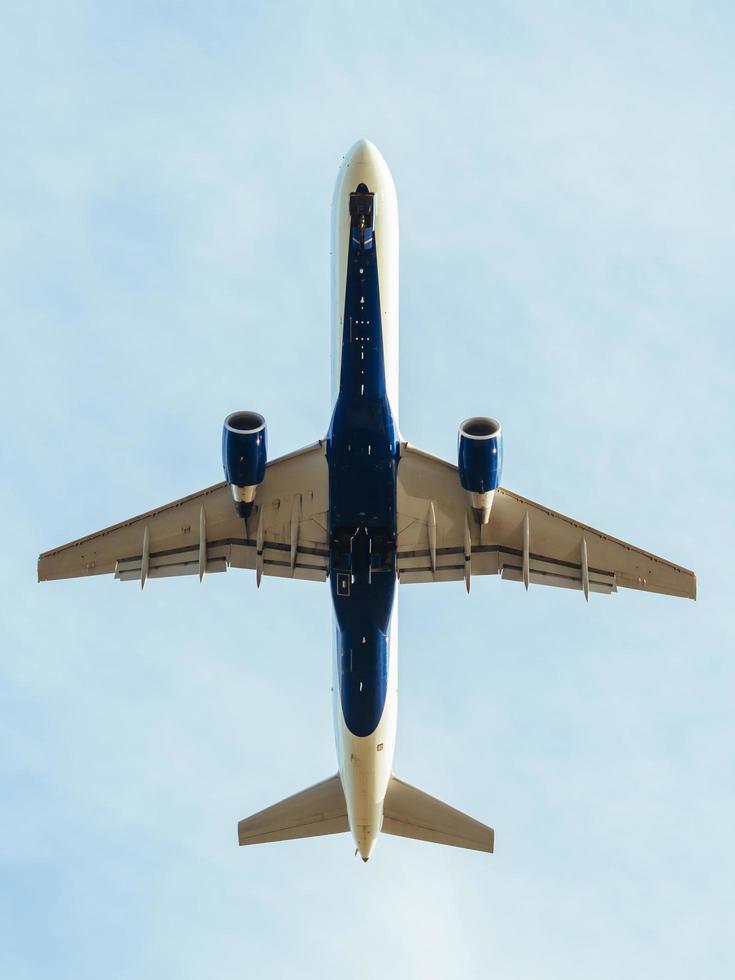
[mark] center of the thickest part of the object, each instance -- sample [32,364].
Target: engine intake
[480,455]
[244,455]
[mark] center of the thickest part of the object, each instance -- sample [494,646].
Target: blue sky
[564,175]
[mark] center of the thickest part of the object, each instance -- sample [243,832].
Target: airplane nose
[364,153]
[364,164]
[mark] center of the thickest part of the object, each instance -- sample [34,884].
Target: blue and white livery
[365,511]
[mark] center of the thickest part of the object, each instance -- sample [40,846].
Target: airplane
[365,510]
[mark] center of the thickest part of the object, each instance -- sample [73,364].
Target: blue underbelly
[362,453]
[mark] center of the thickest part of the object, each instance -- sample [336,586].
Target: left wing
[439,540]
[285,535]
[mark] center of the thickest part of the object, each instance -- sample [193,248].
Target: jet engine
[244,455]
[480,453]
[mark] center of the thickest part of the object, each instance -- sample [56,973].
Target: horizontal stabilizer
[408,812]
[318,810]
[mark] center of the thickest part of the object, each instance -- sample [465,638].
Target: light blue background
[565,181]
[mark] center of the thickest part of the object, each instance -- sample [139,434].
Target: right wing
[439,540]
[285,535]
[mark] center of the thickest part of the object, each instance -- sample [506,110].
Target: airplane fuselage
[363,456]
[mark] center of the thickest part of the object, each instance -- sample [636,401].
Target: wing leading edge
[438,540]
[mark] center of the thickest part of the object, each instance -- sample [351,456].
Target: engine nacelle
[480,453]
[244,455]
